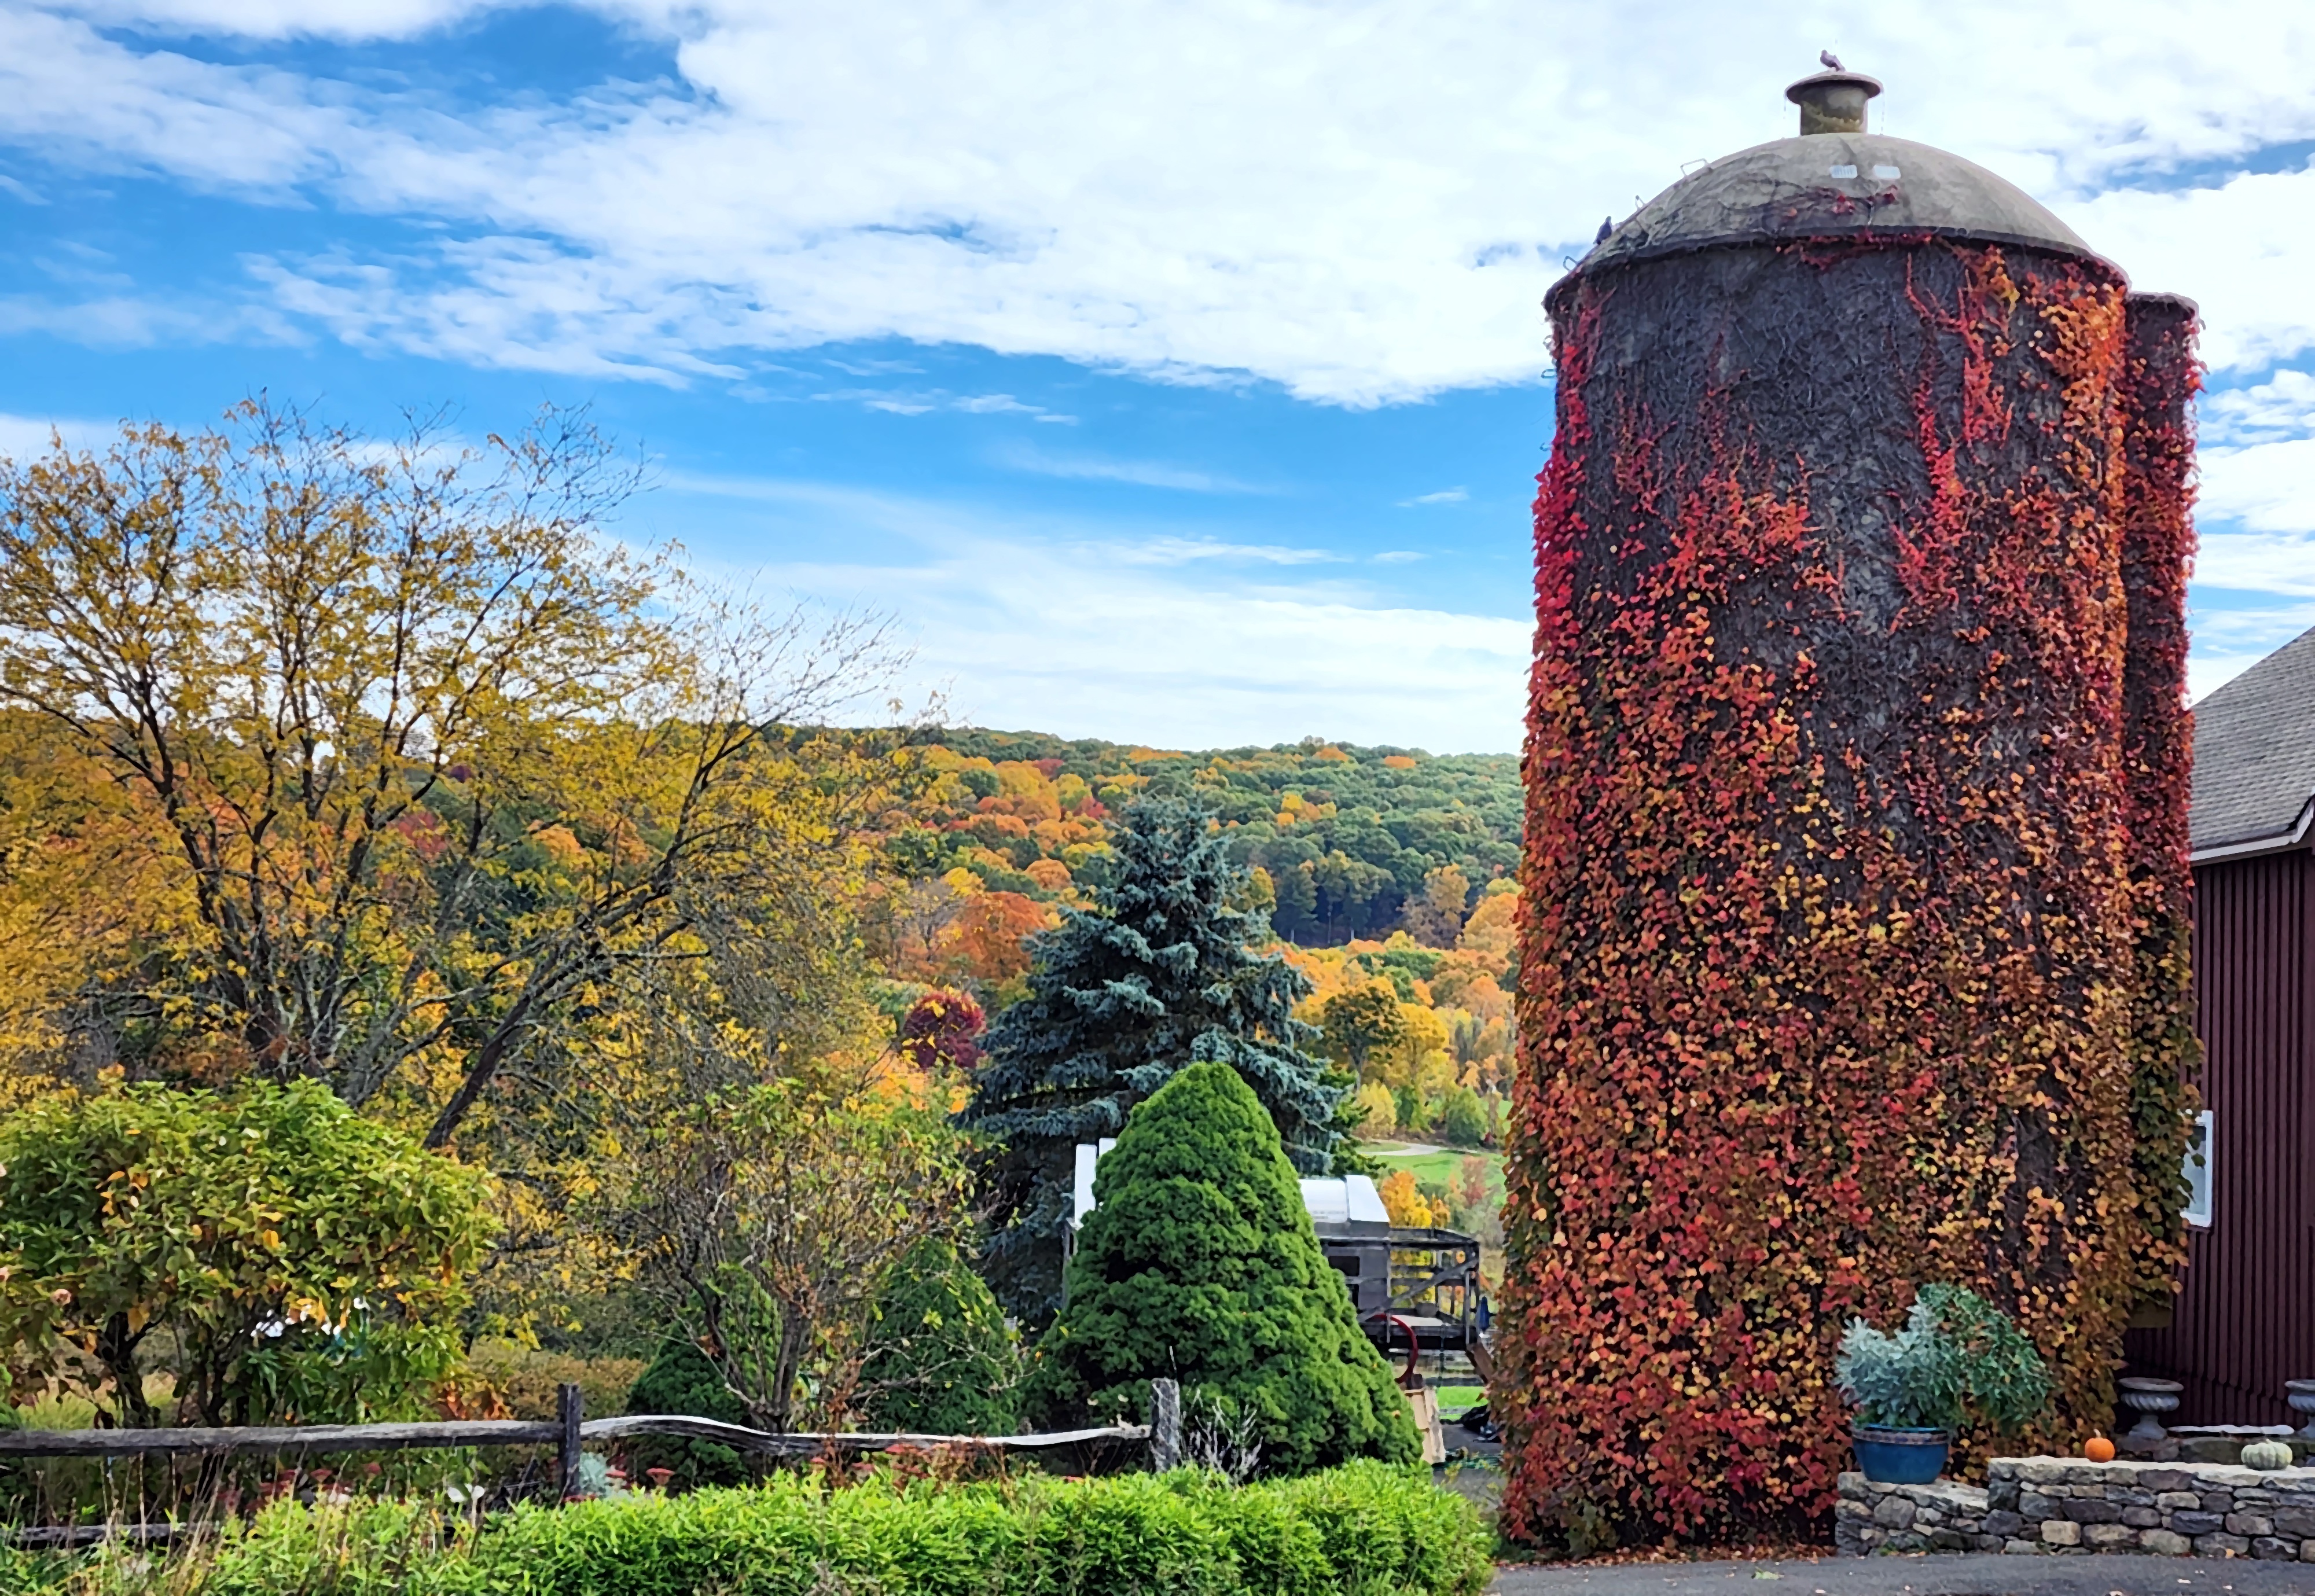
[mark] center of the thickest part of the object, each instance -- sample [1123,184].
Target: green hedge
[1366,1528]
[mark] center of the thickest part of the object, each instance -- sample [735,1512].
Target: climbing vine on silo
[1830,978]
[2157,759]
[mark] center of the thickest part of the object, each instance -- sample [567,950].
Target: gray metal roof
[1822,185]
[2255,753]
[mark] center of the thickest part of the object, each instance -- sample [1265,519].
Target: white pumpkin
[2266,1454]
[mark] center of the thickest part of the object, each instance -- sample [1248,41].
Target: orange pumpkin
[2098,1449]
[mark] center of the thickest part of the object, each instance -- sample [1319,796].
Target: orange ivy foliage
[1842,868]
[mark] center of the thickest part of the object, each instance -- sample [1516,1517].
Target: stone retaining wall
[2057,1504]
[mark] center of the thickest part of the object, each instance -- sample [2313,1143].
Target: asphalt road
[1943,1575]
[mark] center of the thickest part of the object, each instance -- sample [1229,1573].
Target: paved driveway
[1948,1575]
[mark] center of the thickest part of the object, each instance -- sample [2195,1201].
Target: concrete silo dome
[1831,184]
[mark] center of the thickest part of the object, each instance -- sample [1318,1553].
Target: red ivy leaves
[1829,989]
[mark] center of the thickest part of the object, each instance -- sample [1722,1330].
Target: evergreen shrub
[1367,1528]
[940,1360]
[1200,1263]
[682,1379]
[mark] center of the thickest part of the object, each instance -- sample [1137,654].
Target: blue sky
[1171,373]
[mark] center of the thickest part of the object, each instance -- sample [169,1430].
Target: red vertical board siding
[2245,1320]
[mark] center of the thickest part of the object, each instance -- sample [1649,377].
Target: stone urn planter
[2301,1396]
[1899,1455]
[2149,1398]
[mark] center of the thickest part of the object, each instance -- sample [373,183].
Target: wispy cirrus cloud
[1145,473]
[23,436]
[1443,496]
[2281,407]
[1158,638]
[911,401]
[1186,551]
[2261,487]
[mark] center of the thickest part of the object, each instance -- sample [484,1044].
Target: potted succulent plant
[1957,1357]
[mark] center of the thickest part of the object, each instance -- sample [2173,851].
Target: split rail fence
[570,1432]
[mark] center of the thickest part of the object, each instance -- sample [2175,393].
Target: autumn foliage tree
[1359,1022]
[423,789]
[773,1217]
[942,1031]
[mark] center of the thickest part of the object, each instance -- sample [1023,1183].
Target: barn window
[2198,1171]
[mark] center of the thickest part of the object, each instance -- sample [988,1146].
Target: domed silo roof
[1844,181]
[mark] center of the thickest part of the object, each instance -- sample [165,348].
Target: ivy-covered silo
[1855,882]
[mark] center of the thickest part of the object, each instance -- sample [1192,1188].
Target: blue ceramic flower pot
[1890,1456]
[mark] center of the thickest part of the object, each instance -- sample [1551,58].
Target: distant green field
[1442,1169]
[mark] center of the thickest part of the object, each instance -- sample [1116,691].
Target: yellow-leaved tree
[382,764]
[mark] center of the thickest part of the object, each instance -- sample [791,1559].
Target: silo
[1854,886]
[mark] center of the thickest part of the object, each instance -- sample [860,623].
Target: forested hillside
[1348,841]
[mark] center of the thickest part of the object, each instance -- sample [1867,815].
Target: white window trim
[2202,1173]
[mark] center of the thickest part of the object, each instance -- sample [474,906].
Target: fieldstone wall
[1945,1517]
[2057,1504]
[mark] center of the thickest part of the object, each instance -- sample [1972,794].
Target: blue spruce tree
[1162,974]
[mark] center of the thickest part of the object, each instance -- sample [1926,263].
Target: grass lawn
[1454,1401]
[1441,1169]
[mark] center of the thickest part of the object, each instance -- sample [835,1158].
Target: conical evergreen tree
[940,1360]
[1163,972]
[1200,1264]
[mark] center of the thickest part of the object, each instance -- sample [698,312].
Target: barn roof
[2255,756]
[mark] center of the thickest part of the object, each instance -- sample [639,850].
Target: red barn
[2242,1325]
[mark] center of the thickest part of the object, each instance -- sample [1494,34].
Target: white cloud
[997,404]
[283,19]
[1444,496]
[2262,487]
[1147,473]
[1362,202]
[1032,631]
[1184,551]
[910,401]
[2283,406]
[23,438]
[2228,642]
[1396,557]
[2241,249]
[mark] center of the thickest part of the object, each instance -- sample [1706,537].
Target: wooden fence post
[570,1408]
[1165,1425]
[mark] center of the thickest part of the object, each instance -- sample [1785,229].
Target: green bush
[1414,1114]
[1366,1528]
[682,1379]
[940,1359]
[276,1256]
[1463,1121]
[1199,1263]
